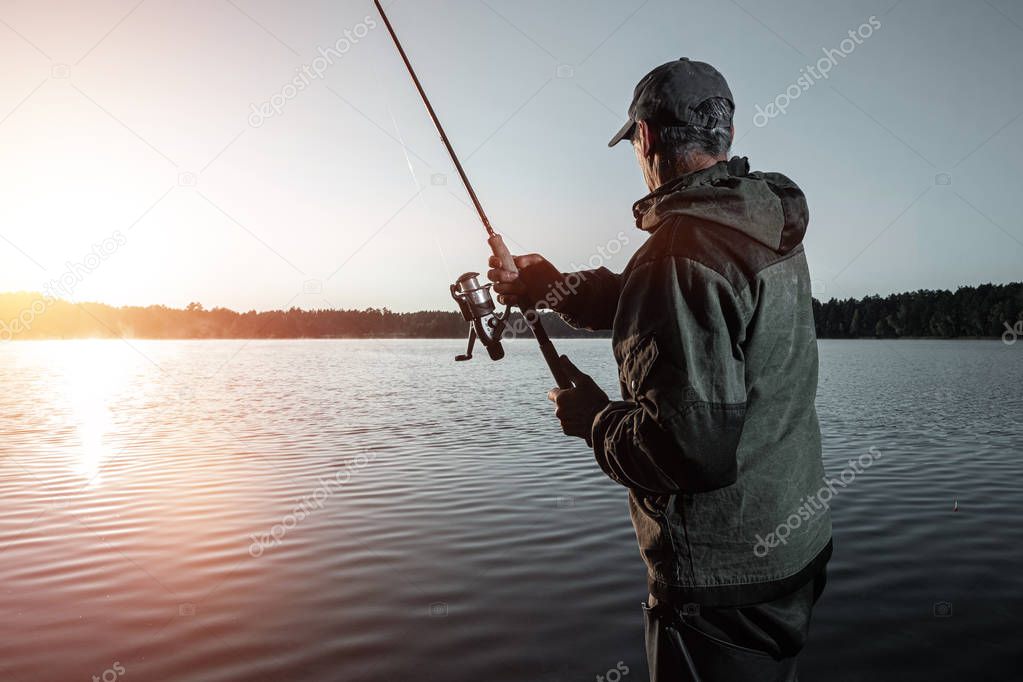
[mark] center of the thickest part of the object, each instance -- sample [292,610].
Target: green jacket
[716,435]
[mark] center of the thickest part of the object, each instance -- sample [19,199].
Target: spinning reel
[477,306]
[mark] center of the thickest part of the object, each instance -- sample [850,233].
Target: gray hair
[680,143]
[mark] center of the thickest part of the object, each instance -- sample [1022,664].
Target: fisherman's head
[680,120]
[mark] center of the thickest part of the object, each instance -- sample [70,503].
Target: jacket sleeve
[588,299]
[683,376]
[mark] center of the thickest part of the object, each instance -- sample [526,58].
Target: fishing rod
[474,300]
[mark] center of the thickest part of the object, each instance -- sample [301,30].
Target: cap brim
[625,132]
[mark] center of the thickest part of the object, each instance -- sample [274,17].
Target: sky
[162,152]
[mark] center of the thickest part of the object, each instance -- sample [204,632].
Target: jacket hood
[767,207]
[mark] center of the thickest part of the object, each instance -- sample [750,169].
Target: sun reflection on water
[95,374]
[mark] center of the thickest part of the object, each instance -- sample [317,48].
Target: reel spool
[478,309]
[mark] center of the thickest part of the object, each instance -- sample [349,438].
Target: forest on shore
[982,311]
[988,311]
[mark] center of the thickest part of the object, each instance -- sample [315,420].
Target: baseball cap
[669,95]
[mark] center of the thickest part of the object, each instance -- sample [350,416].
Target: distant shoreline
[987,311]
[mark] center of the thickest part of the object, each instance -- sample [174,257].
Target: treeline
[34,316]
[982,311]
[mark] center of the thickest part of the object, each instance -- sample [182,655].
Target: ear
[645,139]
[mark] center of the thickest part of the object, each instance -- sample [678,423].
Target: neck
[664,172]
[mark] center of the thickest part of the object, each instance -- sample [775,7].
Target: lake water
[369,510]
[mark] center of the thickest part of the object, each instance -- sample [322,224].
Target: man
[716,436]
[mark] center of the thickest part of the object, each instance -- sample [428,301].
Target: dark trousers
[757,643]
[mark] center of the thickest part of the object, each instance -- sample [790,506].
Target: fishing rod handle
[498,248]
[550,355]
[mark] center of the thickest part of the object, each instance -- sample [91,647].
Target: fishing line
[415,179]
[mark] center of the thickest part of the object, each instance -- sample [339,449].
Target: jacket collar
[767,207]
[707,176]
